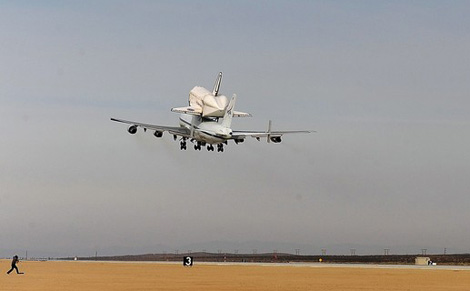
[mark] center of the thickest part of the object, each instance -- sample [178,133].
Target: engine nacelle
[275,139]
[132,129]
[158,133]
[237,141]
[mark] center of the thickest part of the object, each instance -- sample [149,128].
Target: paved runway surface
[56,275]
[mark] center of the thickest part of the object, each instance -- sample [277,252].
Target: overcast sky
[385,85]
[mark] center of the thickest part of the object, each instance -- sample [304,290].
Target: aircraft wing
[270,135]
[240,134]
[175,130]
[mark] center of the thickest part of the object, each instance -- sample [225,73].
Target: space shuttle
[207,104]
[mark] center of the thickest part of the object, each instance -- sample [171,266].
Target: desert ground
[78,275]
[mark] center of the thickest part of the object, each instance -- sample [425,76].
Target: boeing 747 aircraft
[207,122]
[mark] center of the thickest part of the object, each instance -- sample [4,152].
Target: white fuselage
[205,130]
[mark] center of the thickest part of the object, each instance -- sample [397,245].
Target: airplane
[207,122]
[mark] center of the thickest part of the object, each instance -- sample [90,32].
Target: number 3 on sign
[188,261]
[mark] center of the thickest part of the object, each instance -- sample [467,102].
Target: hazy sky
[385,85]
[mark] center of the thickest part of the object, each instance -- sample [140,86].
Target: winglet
[268,137]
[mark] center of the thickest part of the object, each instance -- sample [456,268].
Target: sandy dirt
[54,275]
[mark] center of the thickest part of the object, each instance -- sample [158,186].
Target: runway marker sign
[188,261]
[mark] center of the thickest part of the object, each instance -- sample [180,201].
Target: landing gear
[183,144]
[197,146]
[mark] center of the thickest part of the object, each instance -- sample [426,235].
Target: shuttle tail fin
[215,91]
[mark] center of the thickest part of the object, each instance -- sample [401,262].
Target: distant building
[423,261]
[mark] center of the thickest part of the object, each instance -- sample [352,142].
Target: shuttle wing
[176,130]
[198,111]
[187,110]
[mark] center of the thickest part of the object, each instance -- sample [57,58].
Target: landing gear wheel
[183,145]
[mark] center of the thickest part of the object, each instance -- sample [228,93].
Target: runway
[364,266]
[297,264]
[117,276]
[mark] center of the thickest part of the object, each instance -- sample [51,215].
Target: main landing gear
[183,144]
[220,147]
[198,146]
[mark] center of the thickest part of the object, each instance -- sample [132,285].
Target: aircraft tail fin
[215,91]
[229,112]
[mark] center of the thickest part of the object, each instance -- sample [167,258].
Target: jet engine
[275,139]
[158,133]
[132,129]
[237,141]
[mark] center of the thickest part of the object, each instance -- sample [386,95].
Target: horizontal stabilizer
[241,114]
